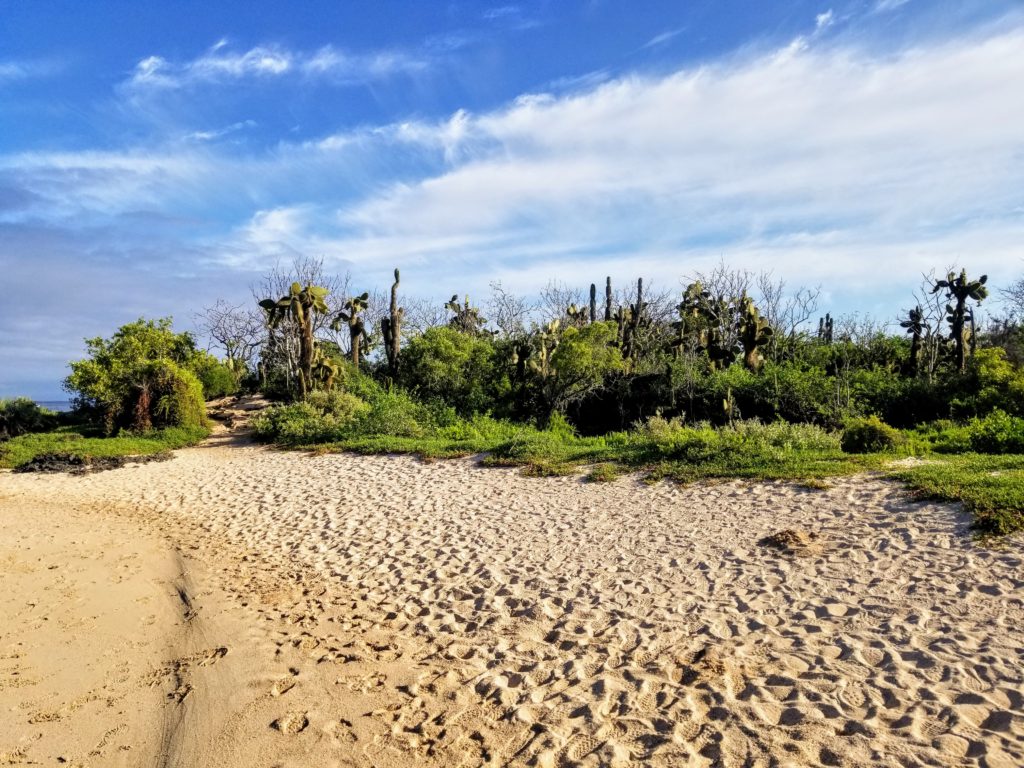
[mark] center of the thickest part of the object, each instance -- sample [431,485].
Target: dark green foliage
[19,416]
[140,378]
[217,378]
[459,369]
[870,435]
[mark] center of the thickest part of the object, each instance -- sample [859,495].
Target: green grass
[991,487]
[21,450]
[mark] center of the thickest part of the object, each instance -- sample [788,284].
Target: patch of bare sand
[383,612]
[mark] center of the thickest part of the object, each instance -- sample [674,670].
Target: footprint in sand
[291,724]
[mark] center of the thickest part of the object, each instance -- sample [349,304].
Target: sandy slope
[280,609]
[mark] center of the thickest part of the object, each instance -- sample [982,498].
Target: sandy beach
[243,606]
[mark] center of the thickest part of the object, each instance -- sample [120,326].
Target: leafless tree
[237,331]
[423,313]
[786,312]
[933,317]
[508,312]
[556,297]
[1013,296]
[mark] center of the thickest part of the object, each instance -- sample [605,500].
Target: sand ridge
[381,611]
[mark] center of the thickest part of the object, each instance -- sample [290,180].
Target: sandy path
[382,611]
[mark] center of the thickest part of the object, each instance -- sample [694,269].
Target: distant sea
[61,406]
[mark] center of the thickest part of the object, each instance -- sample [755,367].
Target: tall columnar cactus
[917,328]
[299,306]
[593,303]
[959,289]
[607,299]
[350,316]
[754,333]
[826,326]
[391,329]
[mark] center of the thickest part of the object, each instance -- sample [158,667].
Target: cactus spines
[391,329]
[349,315]
[917,327]
[754,333]
[593,303]
[959,289]
[607,299]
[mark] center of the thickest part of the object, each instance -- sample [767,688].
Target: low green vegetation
[715,383]
[68,441]
[991,487]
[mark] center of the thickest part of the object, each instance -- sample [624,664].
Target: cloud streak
[220,65]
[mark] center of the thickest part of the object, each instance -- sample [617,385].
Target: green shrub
[20,416]
[217,379]
[166,395]
[323,417]
[458,369]
[998,432]
[870,435]
[139,378]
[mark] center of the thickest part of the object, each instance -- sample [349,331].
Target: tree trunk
[306,356]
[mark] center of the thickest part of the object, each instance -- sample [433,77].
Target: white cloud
[663,38]
[827,164]
[824,20]
[220,64]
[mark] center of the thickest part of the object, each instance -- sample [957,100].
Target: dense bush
[870,435]
[998,432]
[217,379]
[19,416]
[458,369]
[140,378]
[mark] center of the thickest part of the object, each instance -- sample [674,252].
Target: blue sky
[156,156]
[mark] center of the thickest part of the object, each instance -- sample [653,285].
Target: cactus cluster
[826,327]
[466,318]
[754,333]
[350,316]
[299,306]
[959,289]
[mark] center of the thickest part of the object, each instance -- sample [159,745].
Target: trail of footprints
[549,623]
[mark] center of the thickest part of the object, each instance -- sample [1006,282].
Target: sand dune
[241,606]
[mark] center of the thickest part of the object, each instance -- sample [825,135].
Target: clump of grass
[990,487]
[603,473]
[21,450]
[547,469]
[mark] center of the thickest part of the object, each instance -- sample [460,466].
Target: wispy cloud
[220,64]
[884,6]
[13,71]
[664,37]
[824,20]
[218,133]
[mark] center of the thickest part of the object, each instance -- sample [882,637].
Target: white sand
[241,606]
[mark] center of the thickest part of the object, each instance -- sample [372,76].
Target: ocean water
[61,406]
